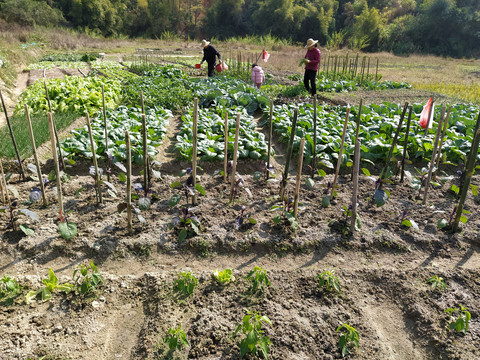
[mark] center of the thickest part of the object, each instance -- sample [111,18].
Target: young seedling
[349,339]
[51,285]
[187,187]
[238,185]
[287,215]
[254,341]
[379,196]
[409,223]
[239,221]
[176,338]
[185,226]
[185,283]
[86,279]
[9,290]
[224,277]
[437,282]
[259,279]
[329,280]
[460,324]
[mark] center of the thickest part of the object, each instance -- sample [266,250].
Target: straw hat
[205,43]
[311,42]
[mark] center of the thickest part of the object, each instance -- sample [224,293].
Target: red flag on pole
[424,114]
[265,55]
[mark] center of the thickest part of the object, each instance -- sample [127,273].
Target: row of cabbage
[378,125]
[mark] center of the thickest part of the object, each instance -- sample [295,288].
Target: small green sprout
[185,283]
[259,279]
[329,280]
[461,322]
[254,340]
[348,339]
[437,282]
[224,277]
[176,338]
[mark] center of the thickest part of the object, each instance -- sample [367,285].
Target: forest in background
[439,27]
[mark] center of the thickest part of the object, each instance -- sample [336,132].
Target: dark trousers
[309,81]
[211,68]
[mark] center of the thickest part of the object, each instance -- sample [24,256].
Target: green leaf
[174,200]
[182,235]
[67,230]
[310,183]
[26,230]
[200,189]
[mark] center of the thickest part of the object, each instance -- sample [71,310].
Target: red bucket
[219,67]
[198,66]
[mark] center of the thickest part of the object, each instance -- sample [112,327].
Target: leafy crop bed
[211,138]
[378,126]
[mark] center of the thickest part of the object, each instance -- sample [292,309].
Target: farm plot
[238,277]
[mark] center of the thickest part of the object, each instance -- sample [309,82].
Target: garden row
[87,283]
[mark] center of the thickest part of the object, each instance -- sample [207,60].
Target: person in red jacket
[311,66]
[258,76]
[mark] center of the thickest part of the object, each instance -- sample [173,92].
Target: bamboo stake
[368,68]
[299,178]
[289,154]
[270,134]
[12,136]
[359,115]
[434,153]
[4,183]
[356,167]
[235,154]
[129,181]
[376,71]
[468,177]
[106,134]
[314,149]
[225,156]
[340,154]
[405,144]
[328,64]
[146,170]
[55,161]
[394,143]
[194,144]
[35,157]
[2,195]
[444,129]
[94,156]
[62,163]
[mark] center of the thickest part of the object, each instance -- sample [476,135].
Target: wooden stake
[62,163]
[314,149]
[129,181]
[108,169]
[289,154]
[356,167]
[468,177]
[270,135]
[444,129]
[2,195]
[405,144]
[22,174]
[4,183]
[35,157]
[194,144]
[299,178]
[394,143]
[55,161]
[225,153]
[376,71]
[434,153]
[94,157]
[235,154]
[340,153]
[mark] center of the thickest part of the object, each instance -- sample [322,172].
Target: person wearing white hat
[209,55]
[312,63]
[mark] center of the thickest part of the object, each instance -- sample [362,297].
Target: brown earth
[382,269]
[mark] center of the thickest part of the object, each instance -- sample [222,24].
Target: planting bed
[382,268]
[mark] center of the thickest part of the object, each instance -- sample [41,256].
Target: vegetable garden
[219,221]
